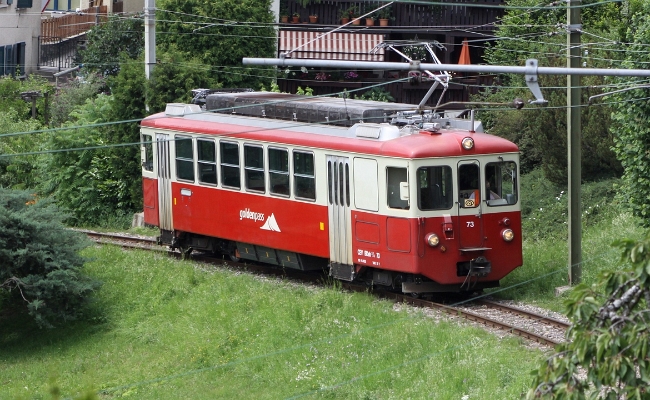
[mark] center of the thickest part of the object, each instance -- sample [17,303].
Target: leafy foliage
[173,79]
[108,40]
[18,172]
[10,90]
[631,121]
[606,355]
[225,33]
[86,182]
[376,94]
[40,264]
[73,94]
[541,132]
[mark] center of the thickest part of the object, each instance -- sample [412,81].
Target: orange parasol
[464,54]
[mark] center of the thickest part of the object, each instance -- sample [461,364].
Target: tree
[607,350]
[72,95]
[87,183]
[541,132]
[40,265]
[108,40]
[220,34]
[631,116]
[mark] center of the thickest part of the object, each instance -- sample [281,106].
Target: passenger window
[303,175]
[435,188]
[147,149]
[254,168]
[279,172]
[207,161]
[230,175]
[184,158]
[501,183]
[394,176]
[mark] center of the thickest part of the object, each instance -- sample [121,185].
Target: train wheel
[234,256]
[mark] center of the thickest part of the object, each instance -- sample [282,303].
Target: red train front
[412,201]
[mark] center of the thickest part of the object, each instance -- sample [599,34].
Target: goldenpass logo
[248,214]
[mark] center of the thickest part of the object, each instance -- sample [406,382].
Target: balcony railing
[55,28]
[454,16]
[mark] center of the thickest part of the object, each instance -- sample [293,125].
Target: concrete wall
[21,25]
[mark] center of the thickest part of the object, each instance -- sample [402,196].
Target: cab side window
[147,156]
[394,177]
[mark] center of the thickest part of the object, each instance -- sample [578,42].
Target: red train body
[420,203]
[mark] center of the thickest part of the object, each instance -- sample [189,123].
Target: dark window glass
[347,185]
[184,158]
[435,188]
[230,174]
[330,187]
[279,171]
[147,145]
[303,175]
[207,161]
[395,176]
[468,186]
[501,183]
[254,168]
[184,147]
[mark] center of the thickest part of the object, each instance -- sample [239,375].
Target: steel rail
[524,313]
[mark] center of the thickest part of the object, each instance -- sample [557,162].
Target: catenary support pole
[149,36]
[574,147]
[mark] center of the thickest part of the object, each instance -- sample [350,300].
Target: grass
[167,329]
[544,215]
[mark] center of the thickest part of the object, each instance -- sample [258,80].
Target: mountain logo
[271,224]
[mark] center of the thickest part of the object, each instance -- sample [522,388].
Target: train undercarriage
[385,279]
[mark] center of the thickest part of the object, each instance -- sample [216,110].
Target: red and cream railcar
[420,203]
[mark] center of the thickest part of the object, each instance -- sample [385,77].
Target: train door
[164,183]
[470,205]
[338,212]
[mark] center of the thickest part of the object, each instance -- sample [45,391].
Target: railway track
[533,326]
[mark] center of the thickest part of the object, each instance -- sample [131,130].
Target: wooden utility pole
[574,136]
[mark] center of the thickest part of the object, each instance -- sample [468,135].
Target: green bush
[544,205]
[40,265]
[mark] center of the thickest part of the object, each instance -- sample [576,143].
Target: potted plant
[284,15]
[313,18]
[384,15]
[370,19]
[295,17]
[349,14]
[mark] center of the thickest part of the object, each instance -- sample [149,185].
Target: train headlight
[432,239]
[508,235]
[467,143]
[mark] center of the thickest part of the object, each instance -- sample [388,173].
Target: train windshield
[435,190]
[501,183]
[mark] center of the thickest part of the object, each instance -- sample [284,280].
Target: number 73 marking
[470,224]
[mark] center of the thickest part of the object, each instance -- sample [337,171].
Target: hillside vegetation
[168,329]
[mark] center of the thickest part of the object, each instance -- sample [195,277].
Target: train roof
[405,135]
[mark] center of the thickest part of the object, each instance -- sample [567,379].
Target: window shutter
[2,60]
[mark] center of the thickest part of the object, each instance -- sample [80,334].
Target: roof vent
[376,131]
[180,110]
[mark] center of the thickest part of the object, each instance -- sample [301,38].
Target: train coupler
[479,267]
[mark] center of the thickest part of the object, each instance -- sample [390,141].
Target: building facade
[20,24]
